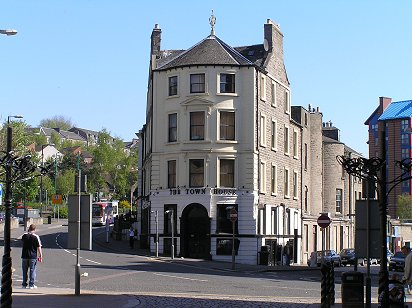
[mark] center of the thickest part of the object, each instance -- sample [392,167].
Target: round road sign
[233,215]
[324,221]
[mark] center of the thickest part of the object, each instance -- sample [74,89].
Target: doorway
[195,232]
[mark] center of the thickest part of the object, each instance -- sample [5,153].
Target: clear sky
[87,60]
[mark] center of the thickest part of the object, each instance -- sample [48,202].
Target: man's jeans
[26,265]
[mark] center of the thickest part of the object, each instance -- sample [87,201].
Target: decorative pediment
[196,101]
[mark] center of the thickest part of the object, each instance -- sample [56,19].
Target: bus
[104,210]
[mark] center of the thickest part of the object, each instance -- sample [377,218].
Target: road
[155,279]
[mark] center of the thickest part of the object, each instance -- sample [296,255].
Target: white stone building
[221,134]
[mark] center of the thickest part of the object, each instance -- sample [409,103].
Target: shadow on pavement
[130,300]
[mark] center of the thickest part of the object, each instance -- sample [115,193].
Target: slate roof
[255,53]
[70,135]
[397,110]
[326,139]
[209,51]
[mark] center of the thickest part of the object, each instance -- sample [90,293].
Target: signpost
[323,222]
[57,199]
[233,219]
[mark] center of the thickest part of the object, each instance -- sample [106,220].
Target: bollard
[324,285]
[332,284]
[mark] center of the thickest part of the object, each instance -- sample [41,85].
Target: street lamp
[373,170]
[173,233]
[8,32]
[157,231]
[6,281]
[77,268]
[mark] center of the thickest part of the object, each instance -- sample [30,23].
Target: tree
[404,207]
[57,122]
[19,138]
[65,183]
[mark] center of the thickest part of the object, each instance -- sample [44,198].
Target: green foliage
[55,138]
[124,204]
[65,182]
[404,207]
[57,122]
[112,172]
[63,212]
[19,136]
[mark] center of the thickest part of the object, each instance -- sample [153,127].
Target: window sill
[287,197]
[228,94]
[197,141]
[274,149]
[172,143]
[173,96]
[227,141]
[287,154]
[295,157]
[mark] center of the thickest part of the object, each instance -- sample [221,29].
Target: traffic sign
[233,215]
[324,221]
[57,199]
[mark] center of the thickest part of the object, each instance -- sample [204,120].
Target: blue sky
[87,60]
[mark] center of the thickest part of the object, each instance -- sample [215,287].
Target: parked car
[347,256]
[328,255]
[397,262]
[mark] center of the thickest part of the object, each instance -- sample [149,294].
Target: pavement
[60,297]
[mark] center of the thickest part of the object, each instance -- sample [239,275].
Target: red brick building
[391,121]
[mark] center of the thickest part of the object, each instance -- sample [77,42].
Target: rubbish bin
[49,220]
[264,255]
[352,290]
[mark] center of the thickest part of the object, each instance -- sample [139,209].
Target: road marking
[68,251]
[179,277]
[95,262]
[54,227]
[110,276]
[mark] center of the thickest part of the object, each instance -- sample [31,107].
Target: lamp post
[172,255]
[157,231]
[77,268]
[6,281]
[373,170]
[8,32]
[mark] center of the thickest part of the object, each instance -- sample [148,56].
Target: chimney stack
[273,39]
[384,102]
[155,41]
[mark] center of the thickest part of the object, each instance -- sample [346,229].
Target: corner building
[220,135]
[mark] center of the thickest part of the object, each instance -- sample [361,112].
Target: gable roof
[209,51]
[397,110]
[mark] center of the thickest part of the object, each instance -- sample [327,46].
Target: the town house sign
[203,191]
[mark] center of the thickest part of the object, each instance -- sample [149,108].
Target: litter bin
[352,290]
[264,255]
[49,220]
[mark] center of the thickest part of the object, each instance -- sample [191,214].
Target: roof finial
[212,21]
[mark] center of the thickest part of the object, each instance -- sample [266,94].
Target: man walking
[407,276]
[30,254]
